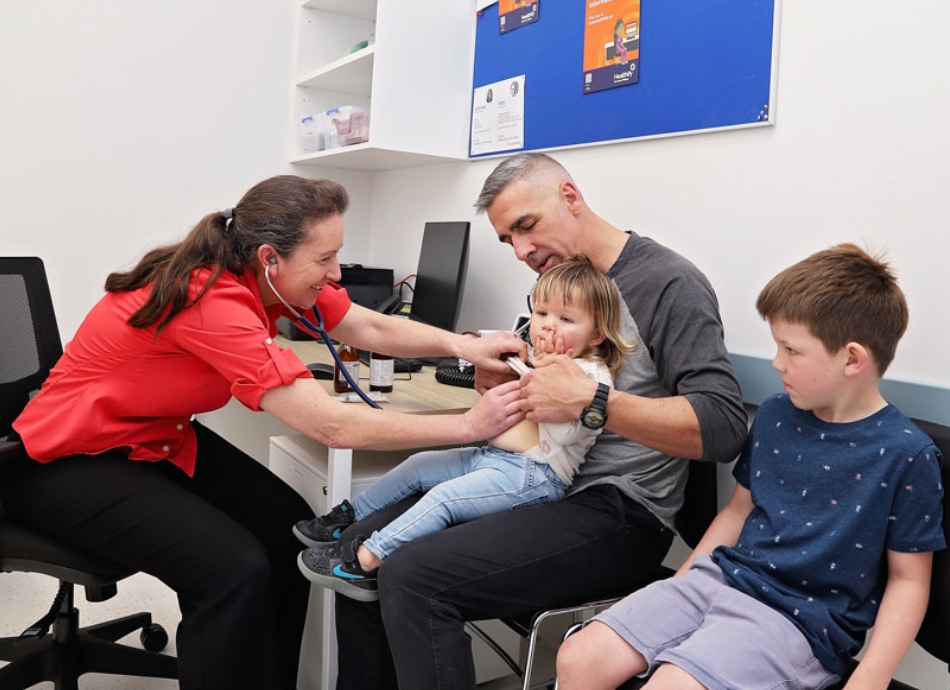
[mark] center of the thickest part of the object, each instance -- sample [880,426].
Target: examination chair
[29,346]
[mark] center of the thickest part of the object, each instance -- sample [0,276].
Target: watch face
[594,419]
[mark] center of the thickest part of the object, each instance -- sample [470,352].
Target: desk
[422,394]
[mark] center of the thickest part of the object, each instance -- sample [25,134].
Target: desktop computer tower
[367,287]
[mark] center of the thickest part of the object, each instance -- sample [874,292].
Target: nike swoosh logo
[339,572]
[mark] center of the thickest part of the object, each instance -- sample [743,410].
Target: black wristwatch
[594,415]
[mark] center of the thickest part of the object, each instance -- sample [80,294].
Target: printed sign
[611,44]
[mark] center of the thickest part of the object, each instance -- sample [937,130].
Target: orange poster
[513,14]
[611,44]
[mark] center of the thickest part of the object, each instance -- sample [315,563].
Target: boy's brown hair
[841,295]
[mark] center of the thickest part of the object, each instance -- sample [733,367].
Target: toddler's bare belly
[519,438]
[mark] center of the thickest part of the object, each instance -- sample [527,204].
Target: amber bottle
[351,360]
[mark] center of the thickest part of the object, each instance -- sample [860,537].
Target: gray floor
[25,598]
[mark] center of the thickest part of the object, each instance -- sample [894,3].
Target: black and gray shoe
[325,530]
[337,568]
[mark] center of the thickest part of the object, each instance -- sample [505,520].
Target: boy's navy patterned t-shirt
[829,501]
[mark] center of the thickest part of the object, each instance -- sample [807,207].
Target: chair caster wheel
[154,638]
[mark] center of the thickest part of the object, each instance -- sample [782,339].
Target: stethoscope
[315,329]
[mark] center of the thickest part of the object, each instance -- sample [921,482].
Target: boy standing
[830,530]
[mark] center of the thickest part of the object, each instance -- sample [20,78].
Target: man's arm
[677,316]
[898,620]
[560,391]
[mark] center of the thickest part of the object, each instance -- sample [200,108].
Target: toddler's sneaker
[325,530]
[337,568]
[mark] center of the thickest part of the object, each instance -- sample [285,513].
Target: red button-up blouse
[118,387]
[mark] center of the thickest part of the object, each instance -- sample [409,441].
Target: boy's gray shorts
[723,638]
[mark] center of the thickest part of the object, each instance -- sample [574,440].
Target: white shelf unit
[415,77]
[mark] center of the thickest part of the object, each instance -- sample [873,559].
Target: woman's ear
[266,255]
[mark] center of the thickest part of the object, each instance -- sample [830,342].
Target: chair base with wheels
[69,651]
[56,648]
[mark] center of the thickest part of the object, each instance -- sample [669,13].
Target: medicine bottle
[380,372]
[351,360]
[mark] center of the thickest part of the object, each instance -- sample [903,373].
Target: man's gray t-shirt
[672,317]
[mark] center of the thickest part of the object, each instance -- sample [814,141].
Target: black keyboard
[401,365]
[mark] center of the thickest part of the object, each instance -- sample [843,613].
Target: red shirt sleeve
[123,387]
[334,303]
[229,329]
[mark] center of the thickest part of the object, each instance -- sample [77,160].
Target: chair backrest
[29,338]
[933,635]
[701,502]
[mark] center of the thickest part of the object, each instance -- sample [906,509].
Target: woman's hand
[489,352]
[498,409]
[488,355]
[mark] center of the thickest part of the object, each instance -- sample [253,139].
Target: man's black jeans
[592,544]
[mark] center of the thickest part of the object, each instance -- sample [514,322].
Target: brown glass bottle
[380,372]
[351,360]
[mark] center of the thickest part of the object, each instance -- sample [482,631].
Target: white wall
[122,124]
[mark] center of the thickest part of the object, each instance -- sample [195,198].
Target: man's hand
[556,392]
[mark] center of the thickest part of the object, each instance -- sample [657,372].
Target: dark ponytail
[273,212]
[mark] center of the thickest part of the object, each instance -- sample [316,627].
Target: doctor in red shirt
[118,466]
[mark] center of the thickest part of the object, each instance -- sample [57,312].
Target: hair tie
[228,218]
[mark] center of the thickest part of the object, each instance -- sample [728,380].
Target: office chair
[934,633]
[29,346]
[699,508]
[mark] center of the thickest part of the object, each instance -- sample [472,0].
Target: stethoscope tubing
[317,329]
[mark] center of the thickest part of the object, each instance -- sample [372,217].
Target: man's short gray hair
[515,168]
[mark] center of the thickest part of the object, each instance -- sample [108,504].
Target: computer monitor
[440,277]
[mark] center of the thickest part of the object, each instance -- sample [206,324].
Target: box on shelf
[347,125]
[313,133]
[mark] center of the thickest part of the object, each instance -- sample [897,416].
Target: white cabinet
[306,465]
[314,472]
[415,76]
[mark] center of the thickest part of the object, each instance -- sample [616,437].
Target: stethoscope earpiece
[316,329]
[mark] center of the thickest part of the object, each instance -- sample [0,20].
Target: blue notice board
[704,64]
